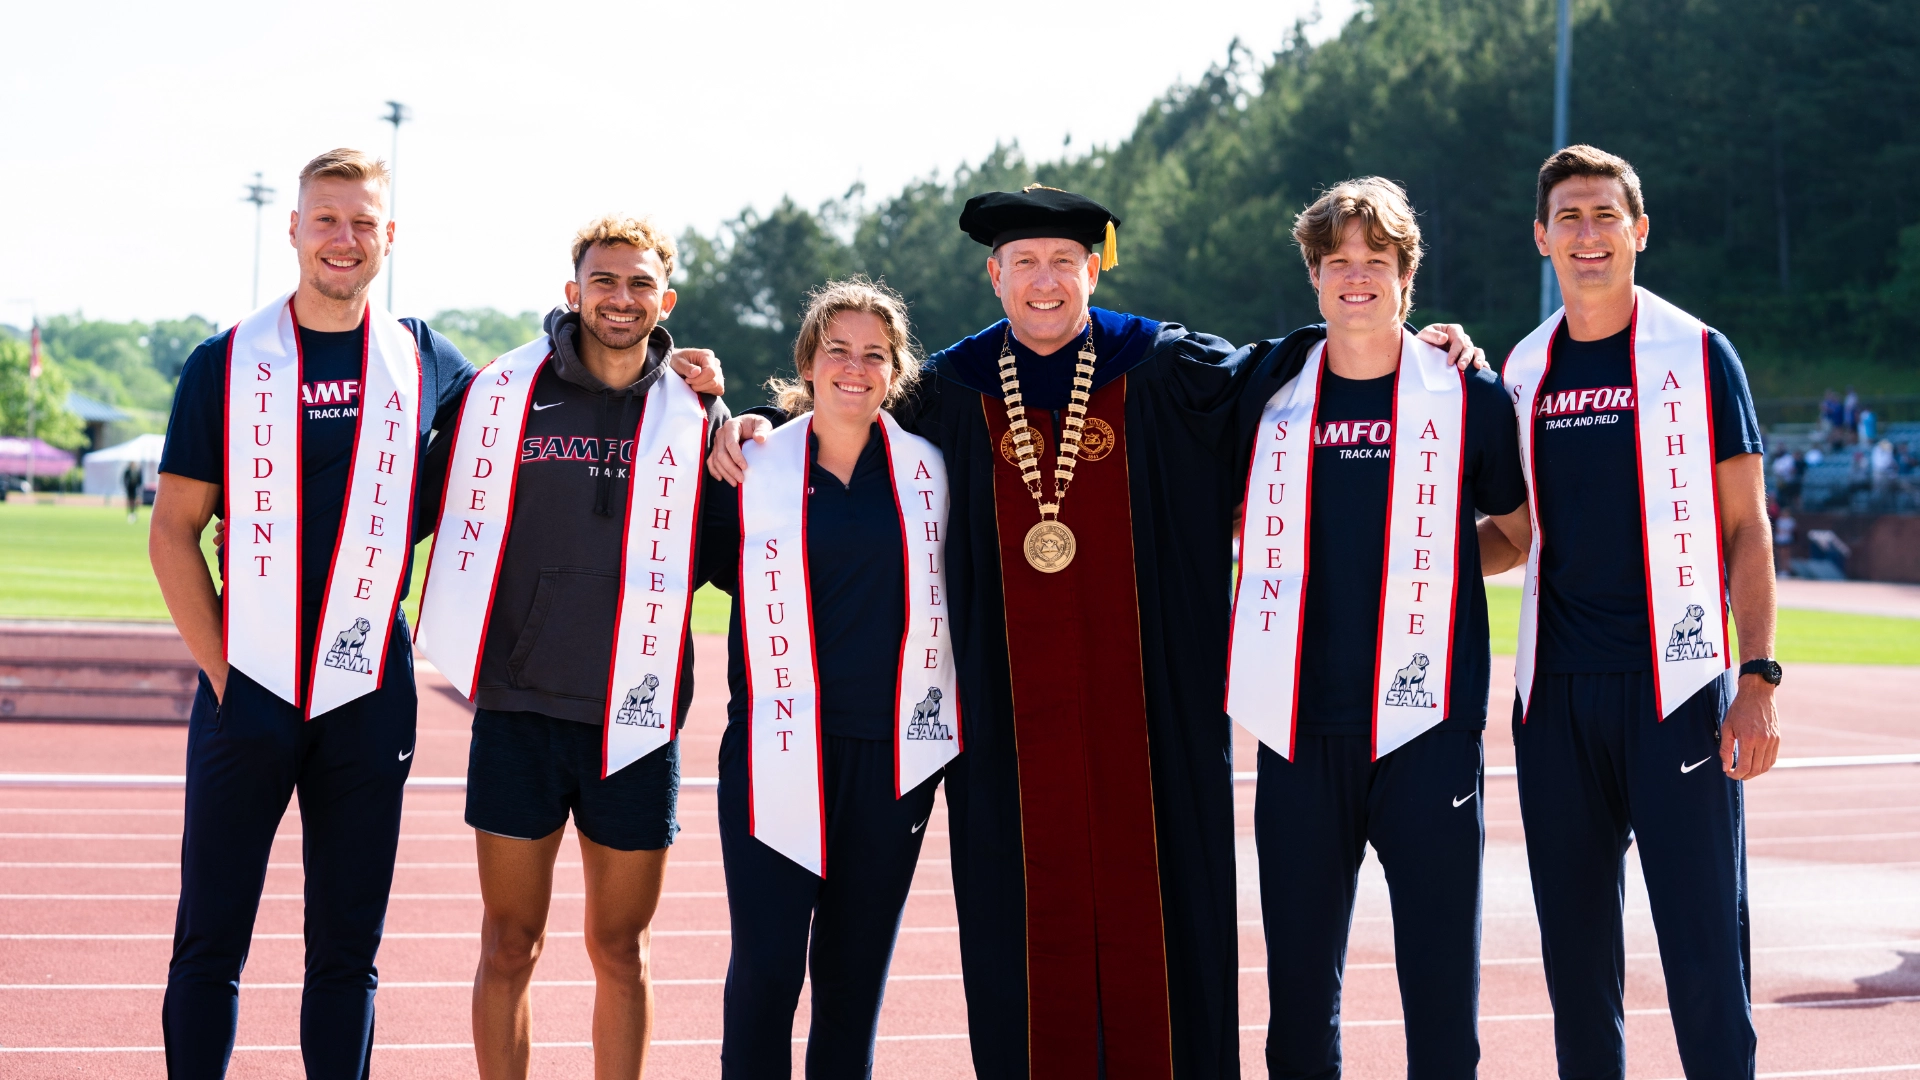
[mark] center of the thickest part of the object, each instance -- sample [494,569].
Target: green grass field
[1808,637]
[83,562]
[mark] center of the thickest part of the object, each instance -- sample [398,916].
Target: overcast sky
[130,129]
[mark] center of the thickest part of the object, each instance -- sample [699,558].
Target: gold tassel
[1109,252]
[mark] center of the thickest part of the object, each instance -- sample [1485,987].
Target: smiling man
[1359,652]
[302,428]
[1644,457]
[1092,459]
[557,599]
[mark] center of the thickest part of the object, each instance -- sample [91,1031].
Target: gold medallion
[1050,547]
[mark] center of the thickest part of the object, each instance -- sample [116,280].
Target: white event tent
[105,467]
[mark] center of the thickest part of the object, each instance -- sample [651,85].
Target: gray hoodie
[550,639]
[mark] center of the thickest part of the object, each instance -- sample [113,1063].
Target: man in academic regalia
[1091,464]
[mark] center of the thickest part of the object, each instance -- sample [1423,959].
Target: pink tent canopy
[47,460]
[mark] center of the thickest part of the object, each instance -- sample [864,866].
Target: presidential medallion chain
[1049,545]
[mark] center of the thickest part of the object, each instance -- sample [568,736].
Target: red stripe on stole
[1096,944]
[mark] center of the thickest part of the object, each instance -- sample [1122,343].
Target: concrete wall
[1885,547]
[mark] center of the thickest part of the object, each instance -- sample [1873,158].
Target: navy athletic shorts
[526,770]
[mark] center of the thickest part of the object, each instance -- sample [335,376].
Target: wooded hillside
[1778,141]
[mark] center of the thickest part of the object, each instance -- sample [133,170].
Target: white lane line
[176,781]
[1855,1071]
[699,895]
[459,783]
[418,935]
[1758,1006]
[468,865]
[436,984]
[1503,961]
[1833,837]
[175,865]
[1829,762]
[291,837]
[798,1041]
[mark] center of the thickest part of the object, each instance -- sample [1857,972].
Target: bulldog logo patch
[1687,641]
[345,653]
[637,710]
[926,719]
[1409,687]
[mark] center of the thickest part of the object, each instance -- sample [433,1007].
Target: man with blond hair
[557,599]
[1644,457]
[302,428]
[1359,648]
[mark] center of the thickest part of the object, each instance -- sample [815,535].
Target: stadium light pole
[397,114]
[1562,64]
[33,383]
[259,194]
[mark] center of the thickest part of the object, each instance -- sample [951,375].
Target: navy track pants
[1313,818]
[1598,770]
[850,918]
[246,757]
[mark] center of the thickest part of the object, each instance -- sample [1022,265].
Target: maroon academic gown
[1092,809]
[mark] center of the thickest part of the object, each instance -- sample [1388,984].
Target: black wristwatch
[1766,669]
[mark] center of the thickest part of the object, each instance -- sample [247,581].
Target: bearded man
[557,599]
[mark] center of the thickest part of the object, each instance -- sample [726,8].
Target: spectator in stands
[1884,467]
[1786,476]
[1832,415]
[1868,426]
[131,479]
[1850,411]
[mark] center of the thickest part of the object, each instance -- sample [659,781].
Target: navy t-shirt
[1593,574]
[330,373]
[856,581]
[1352,473]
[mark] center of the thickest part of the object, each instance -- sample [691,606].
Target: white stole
[1673,425]
[776,617]
[262,597]
[656,556]
[1418,580]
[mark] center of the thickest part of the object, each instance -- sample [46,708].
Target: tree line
[1778,140]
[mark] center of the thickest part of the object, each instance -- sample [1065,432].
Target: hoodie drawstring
[610,457]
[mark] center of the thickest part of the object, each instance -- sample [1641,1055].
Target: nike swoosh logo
[920,826]
[537,406]
[406,755]
[1697,764]
[1462,800]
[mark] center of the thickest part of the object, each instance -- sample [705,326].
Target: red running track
[88,879]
